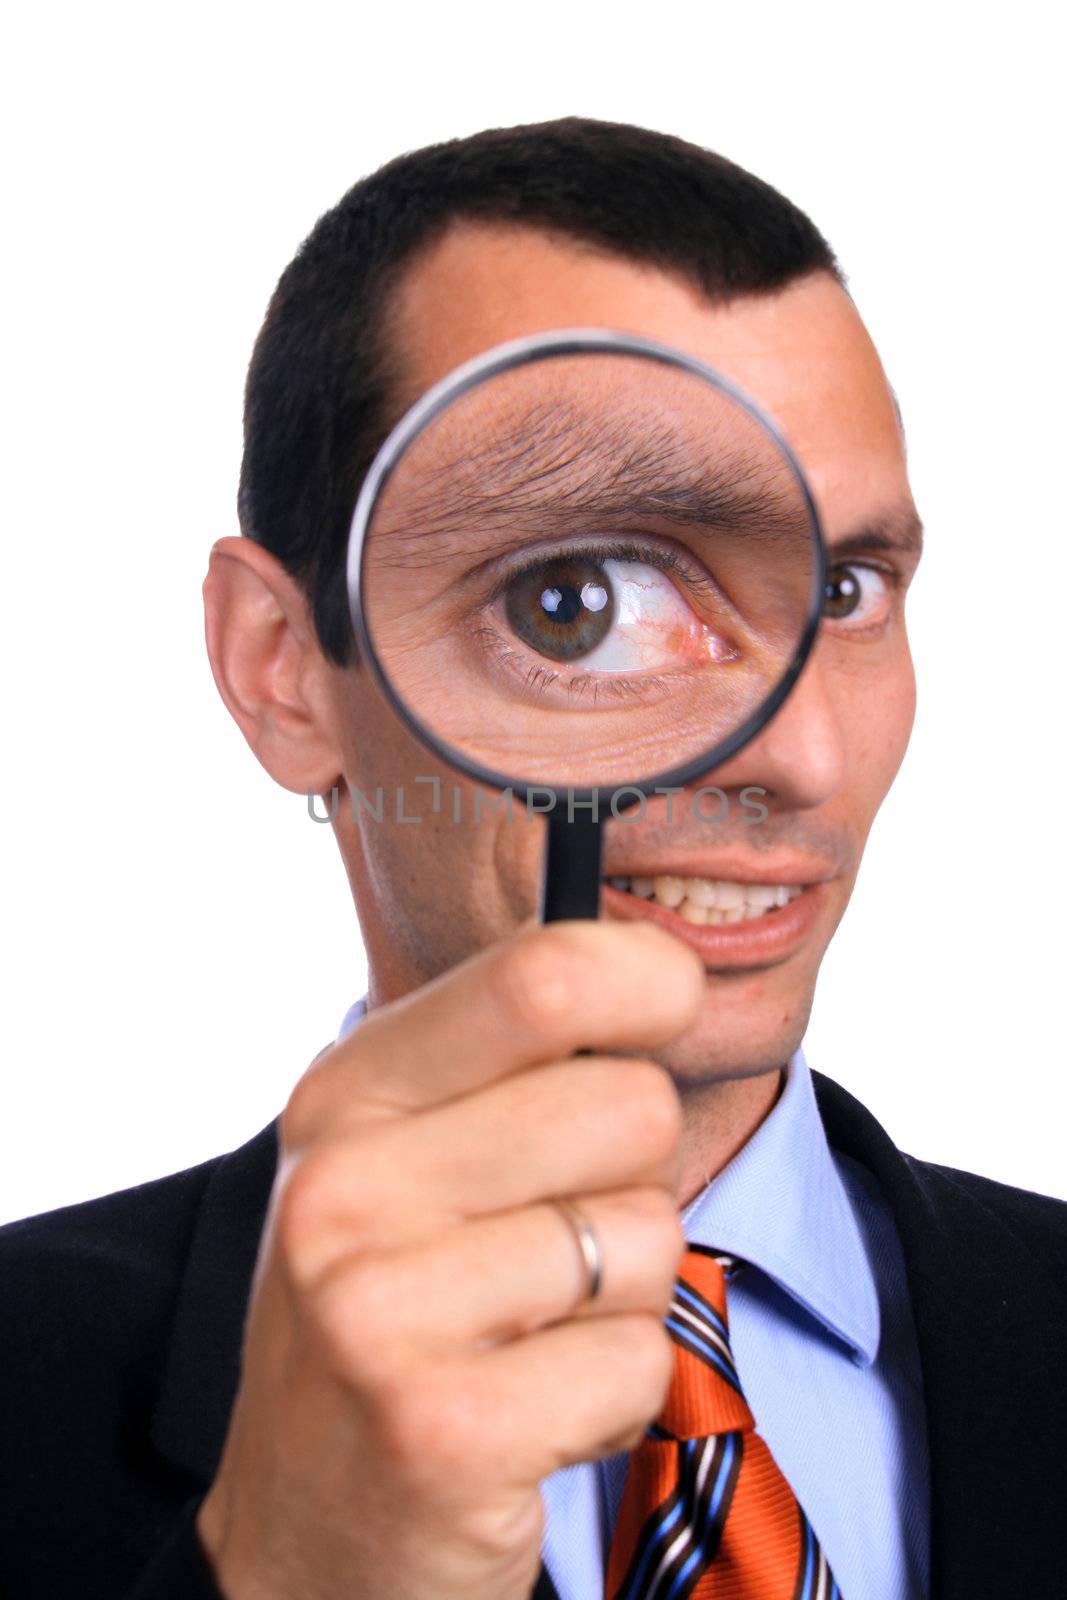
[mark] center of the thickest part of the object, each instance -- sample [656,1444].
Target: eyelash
[661,556]
[540,679]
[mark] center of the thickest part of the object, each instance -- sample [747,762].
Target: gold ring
[588,1246]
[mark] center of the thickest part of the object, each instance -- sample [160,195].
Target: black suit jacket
[120,1332]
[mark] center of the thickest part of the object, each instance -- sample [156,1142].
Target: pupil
[843,593]
[562,605]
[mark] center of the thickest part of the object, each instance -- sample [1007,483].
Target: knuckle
[352,1319]
[299,1210]
[357,1305]
[651,1210]
[663,1237]
[534,981]
[429,1430]
[302,1111]
[310,1201]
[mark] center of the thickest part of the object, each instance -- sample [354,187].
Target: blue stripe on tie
[720,1488]
[809,1569]
[687,1331]
[661,1532]
[714,1358]
[702,1308]
[703,1329]
[713,1508]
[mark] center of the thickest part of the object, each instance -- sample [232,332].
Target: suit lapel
[199,1382]
[986,1312]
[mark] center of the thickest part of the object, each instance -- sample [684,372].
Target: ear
[268,665]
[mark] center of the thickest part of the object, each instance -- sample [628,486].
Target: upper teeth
[708,901]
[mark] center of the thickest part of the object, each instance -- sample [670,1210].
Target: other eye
[611,615]
[856,594]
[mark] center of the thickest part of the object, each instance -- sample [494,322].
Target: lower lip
[760,942]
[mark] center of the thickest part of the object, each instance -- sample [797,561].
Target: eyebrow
[548,475]
[896,532]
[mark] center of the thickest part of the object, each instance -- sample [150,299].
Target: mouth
[731,923]
[710,902]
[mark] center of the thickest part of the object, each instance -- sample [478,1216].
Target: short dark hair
[317,401]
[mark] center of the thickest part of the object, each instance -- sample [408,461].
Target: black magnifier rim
[508,357]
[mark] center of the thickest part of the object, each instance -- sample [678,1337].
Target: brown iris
[562,608]
[842,594]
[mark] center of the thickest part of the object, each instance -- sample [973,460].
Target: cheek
[879,709]
[455,872]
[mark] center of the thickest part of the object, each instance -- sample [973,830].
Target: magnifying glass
[585,567]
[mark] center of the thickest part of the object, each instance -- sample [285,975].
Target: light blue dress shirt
[823,1339]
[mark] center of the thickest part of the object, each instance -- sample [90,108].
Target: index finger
[540,996]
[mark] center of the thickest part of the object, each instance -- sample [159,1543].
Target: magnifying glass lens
[592,569]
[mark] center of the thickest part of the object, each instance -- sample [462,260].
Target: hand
[419,1351]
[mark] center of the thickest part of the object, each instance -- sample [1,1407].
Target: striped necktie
[705,1510]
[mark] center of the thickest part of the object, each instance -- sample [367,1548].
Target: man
[423,1388]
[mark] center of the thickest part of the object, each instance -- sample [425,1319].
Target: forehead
[802,352]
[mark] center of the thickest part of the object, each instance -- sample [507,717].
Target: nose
[799,757]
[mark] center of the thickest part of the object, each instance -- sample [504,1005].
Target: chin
[741,1033]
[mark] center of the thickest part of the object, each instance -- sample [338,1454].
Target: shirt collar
[353,1015]
[781,1205]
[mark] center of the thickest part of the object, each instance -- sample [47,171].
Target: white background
[179,941]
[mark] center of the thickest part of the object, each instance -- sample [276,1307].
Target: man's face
[431,893]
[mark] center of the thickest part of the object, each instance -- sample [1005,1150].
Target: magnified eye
[562,609]
[856,593]
[611,615]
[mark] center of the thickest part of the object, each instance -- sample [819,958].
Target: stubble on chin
[732,1041]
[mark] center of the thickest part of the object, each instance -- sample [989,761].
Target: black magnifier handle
[572,865]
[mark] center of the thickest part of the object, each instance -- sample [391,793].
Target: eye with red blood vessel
[612,615]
